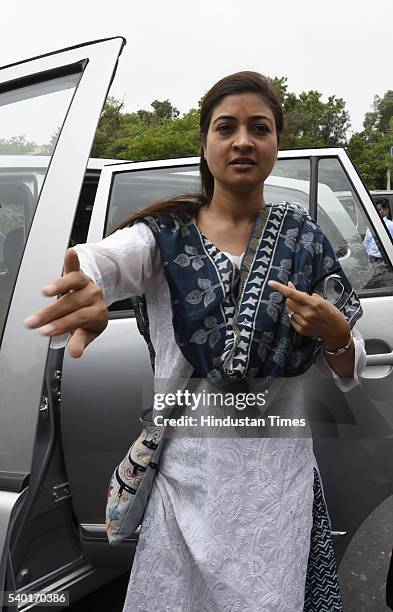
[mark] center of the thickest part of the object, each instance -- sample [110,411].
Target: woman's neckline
[206,239]
[219,250]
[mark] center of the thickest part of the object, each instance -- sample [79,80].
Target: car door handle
[380,359]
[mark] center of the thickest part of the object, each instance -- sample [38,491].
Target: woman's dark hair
[240,82]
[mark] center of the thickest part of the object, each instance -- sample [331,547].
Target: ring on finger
[291,314]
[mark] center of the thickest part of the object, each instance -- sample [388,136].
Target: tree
[117,130]
[370,149]
[170,138]
[160,133]
[109,127]
[312,123]
[17,145]
[378,120]
[164,110]
[49,148]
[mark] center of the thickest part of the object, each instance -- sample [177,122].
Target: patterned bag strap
[142,321]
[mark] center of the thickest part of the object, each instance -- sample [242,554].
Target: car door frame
[24,354]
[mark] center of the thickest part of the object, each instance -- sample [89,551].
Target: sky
[177,50]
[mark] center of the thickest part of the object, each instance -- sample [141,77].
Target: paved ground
[109,598]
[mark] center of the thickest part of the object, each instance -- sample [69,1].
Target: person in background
[374,254]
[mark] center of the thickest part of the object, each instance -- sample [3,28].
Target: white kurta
[227,527]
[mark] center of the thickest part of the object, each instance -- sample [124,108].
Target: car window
[343,219]
[298,168]
[344,222]
[273,194]
[132,191]
[29,124]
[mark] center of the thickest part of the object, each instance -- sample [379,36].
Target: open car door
[66,88]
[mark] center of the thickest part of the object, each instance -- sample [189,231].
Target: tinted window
[132,191]
[29,123]
[340,213]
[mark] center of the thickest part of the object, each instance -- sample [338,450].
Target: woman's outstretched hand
[314,316]
[80,310]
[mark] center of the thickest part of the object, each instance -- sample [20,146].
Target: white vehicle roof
[42,161]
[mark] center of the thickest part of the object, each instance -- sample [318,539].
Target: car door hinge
[60,492]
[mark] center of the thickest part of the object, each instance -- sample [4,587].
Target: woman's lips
[243,162]
[243,166]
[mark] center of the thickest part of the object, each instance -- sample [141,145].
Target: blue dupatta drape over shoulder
[232,325]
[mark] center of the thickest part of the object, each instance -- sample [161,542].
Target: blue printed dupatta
[231,325]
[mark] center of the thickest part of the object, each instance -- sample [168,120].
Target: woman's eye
[224,128]
[263,129]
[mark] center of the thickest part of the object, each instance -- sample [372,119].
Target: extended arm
[121,263]
[112,269]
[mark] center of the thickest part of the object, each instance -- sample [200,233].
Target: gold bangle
[340,350]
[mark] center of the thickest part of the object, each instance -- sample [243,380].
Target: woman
[233,295]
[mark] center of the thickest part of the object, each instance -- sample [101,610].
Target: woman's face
[241,126]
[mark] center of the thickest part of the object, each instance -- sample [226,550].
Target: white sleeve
[121,263]
[346,384]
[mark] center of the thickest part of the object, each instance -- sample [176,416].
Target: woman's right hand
[81,309]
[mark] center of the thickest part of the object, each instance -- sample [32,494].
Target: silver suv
[65,424]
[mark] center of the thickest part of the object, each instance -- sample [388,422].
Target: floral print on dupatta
[232,325]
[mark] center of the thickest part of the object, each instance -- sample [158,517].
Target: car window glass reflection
[359,249]
[29,125]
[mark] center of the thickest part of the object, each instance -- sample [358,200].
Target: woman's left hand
[314,316]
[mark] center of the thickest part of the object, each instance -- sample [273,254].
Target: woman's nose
[243,139]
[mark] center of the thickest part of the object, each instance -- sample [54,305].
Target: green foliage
[109,127]
[371,158]
[144,135]
[17,145]
[370,149]
[378,120]
[310,122]
[49,148]
[162,133]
